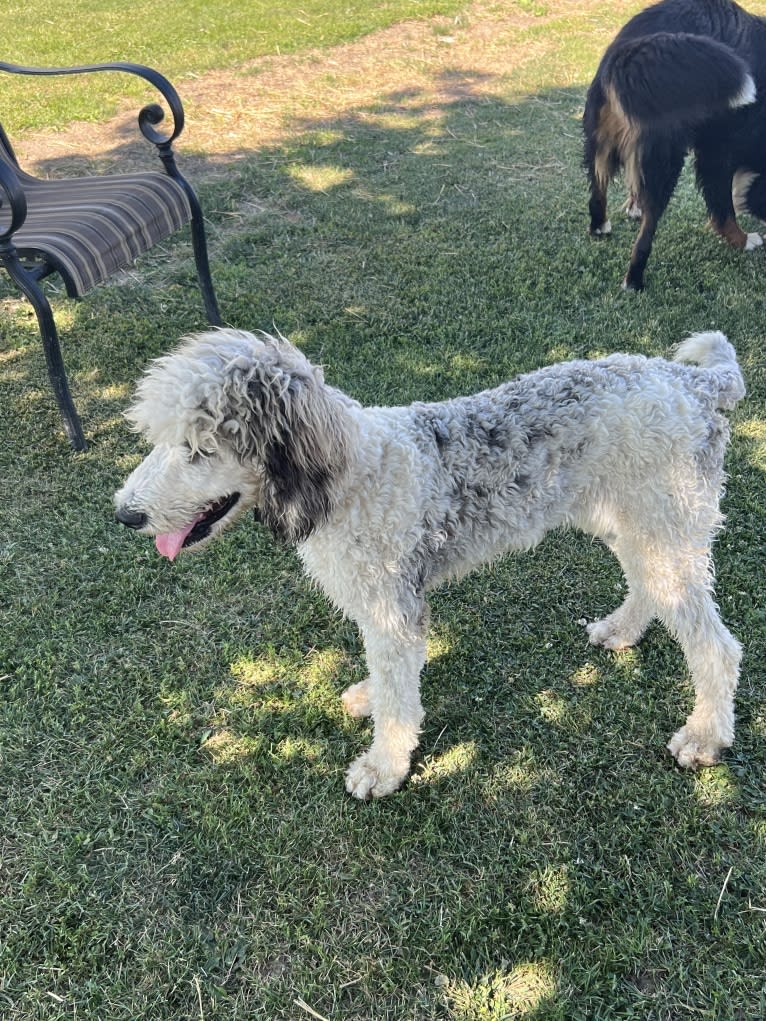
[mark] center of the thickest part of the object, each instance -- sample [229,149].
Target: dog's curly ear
[296,431]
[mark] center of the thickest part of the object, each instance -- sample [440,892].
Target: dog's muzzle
[129,518]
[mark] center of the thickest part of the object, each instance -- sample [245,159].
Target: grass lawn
[181,38]
[176,843]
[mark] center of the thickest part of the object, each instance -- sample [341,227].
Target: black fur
[664,87]
[294,434]
[297,498]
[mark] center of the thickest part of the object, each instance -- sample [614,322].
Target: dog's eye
[195,456]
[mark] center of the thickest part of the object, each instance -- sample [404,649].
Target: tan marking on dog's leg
[731,232]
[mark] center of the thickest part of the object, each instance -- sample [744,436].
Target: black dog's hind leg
[659,164]
[752,192]
[599,183]
[714,177]
[600,158]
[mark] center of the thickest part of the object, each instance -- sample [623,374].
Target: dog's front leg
[392,698]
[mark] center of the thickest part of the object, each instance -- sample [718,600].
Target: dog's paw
[636,285]
[632,209]
[753,241]
[610,635]
[603,231]
[356,699]
[369,777]
[692,749]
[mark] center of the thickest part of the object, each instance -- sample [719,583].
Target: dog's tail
[714,352]
[680,77]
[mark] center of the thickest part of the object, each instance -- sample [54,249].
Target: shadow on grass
[175,749]
[442,242]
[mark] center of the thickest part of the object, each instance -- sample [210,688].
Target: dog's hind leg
[600,157]
[601,163]
[356,699]
[673,581]
[713,656]
[652,178]
[600,226]
[715,180]
[625,626]
[632,209]
[679,582]
[391,695]
[749,193]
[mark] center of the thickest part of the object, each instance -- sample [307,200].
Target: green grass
[176,843]
[178,38]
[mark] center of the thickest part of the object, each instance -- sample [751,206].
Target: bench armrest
[149,116]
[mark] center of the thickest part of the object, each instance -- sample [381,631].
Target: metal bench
[86,229]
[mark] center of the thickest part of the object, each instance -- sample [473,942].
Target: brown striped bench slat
[90,228]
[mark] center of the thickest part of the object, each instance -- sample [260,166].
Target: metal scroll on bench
[88,228]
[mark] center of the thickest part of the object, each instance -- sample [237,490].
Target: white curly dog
[385,503]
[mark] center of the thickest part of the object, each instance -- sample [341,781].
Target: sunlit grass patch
[516,993]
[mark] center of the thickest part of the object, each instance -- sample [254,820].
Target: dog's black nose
[129,518]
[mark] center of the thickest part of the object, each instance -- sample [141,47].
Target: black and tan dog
[681,75]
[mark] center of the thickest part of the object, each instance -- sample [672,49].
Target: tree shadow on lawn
[417,247]
[546,852]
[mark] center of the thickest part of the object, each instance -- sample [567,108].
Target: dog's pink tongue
[169,545]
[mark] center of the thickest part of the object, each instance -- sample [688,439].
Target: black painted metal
[27,283]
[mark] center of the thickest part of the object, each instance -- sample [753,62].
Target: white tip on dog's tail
[746,95]
[706,349]
[714,352]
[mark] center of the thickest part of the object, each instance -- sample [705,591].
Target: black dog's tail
[714,352]
[678,77]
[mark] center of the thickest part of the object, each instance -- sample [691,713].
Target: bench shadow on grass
[420,251]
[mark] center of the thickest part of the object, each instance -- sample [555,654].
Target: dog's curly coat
[385,503]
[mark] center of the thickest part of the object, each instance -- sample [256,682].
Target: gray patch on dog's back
[490,456]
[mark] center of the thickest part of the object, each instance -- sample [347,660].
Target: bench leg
[49,335]
[199,241]
[199,244]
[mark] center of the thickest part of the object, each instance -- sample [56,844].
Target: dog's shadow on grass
[510,673]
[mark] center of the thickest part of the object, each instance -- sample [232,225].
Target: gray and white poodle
[385,503]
